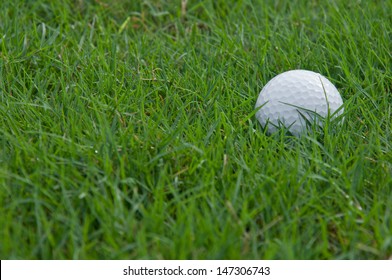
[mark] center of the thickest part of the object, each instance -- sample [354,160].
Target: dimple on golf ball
[295,99]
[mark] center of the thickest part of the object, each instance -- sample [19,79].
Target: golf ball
[295,99]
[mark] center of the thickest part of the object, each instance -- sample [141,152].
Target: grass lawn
[128,131]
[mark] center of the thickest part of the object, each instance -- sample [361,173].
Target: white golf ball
[296,98]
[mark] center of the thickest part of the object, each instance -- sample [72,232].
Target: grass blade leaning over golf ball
[295,99]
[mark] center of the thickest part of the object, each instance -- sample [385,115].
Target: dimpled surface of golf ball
[296,98]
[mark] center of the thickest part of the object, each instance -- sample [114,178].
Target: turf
[128,131]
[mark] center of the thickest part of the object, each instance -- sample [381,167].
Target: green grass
[127,131]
